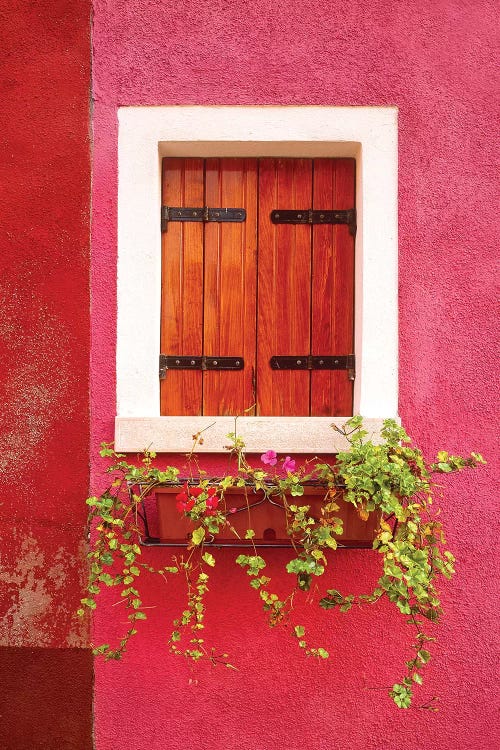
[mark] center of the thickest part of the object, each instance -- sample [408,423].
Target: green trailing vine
[388,477]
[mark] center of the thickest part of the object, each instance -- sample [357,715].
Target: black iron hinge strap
[320,362]
[176,362]
[202,214]
[308,216]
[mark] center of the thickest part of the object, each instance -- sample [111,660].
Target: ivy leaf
[401,695]
[424,655]
[198,536]
[209,559]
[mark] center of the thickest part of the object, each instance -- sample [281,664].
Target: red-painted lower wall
[44,340]
[435,61]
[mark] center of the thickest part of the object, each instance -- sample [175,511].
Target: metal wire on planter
[147,540]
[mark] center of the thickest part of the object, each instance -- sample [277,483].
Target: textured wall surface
[435,61]
[44,354]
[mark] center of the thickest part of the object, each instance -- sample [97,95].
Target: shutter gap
[203,375]
[311,266]
[256,409]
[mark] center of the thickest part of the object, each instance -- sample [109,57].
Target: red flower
[184,503]
[196,491]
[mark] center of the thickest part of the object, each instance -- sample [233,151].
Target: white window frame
[146,135]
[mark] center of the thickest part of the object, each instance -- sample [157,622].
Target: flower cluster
[270,458]
[205,498]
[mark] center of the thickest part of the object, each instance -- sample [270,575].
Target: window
[273,297]
[146,135]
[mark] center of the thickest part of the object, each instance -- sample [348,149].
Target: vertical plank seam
[203,300]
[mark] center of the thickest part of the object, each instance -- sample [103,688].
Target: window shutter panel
[332,287]
[229,301]
[182,286]
[284,287]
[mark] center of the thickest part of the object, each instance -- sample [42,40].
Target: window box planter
[266,516]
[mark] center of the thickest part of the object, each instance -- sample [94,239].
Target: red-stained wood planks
[332,287]
[182,286]
[284,287]
[229,318]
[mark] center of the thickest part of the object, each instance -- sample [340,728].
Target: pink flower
[212,503]
[270,457]
[289,464]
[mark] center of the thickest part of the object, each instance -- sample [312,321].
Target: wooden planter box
[264,517]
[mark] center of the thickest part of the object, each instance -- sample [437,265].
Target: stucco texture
[45,659]
[44,321]
[435,61]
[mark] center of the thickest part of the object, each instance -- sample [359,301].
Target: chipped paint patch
[39,590]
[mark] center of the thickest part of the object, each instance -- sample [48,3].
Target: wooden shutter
[258,289]
[208,286]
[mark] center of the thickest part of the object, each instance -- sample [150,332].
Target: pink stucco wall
[435,61]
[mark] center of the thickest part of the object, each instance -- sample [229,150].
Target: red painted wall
[44,383]
[435,61]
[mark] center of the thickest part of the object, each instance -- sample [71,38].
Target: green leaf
[424,655]
[249,534]
[401,696]
[198,535]
[299,631]
[209,559]
[323,653]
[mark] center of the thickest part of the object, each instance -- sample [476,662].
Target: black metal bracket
[309,216]
[309,362]
[203,214]
[175,362]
